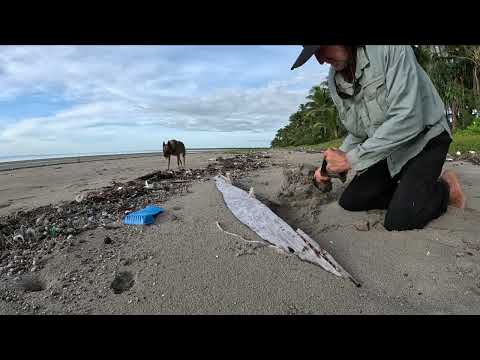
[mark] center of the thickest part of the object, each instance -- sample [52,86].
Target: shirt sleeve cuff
[353,158]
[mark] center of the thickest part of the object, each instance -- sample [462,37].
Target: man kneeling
[398,134]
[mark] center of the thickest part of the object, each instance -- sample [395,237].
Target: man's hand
[337,160]
[319,178]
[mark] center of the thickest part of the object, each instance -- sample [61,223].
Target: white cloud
[113,92]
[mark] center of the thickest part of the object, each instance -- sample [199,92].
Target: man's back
[393,112]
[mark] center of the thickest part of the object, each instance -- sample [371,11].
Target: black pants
[412,198]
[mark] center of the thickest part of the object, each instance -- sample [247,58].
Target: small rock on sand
[362,226]
[127,262]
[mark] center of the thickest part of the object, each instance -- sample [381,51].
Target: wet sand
[183,264]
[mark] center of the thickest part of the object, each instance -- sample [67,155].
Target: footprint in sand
[122,282]
[32,284]
[4,205]
[25,198]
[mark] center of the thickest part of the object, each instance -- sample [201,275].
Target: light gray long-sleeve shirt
[394,112]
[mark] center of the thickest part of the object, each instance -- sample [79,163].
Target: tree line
[453,69]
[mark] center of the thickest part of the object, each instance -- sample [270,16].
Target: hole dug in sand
[123,281]
[32,283]
[298,191]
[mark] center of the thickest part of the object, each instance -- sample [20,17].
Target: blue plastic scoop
[145,216]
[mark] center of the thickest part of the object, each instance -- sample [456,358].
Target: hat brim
[305,55]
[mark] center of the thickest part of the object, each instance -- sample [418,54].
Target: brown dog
[174,147]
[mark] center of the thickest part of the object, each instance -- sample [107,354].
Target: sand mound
[298,190]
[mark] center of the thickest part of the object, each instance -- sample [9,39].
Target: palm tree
[450,72]
[471,53]
[313,122]
[322,112]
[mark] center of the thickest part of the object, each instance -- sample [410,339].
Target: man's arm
[350,142]
[404,111]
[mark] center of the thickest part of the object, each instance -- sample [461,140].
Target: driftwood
[324,254]
[274,230]
[176,181]
[158,175]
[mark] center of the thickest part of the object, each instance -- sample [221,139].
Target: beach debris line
[148,186]
[274,230]
[238,165]
[105,207]
[27,236]
[470,156]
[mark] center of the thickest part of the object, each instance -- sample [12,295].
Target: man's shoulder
[387,49]
[386,55]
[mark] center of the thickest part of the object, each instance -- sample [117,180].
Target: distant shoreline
[49,160]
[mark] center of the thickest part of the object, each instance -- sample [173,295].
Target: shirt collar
[362,62]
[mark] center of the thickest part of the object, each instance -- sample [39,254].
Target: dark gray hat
[307,53]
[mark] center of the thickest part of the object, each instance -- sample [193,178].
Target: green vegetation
[315,121]
[455,72]
[317,147]
[467,140]
[244,150]
[463,141]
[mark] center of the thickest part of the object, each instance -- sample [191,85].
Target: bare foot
[457,199]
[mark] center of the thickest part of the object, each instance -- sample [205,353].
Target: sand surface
[183,264]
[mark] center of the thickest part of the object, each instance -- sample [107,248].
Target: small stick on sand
[177,181]
[229,233]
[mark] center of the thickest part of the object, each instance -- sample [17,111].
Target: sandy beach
[184,264]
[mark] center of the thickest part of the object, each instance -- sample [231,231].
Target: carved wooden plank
[323,253]
[273,229]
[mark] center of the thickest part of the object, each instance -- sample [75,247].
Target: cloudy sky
[95,99]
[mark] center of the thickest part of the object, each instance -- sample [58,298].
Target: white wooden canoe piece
[274,230]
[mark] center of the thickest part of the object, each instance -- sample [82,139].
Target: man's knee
[393,223]
[400,219]
[350,202]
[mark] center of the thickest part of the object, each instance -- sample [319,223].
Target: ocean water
[12,158]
